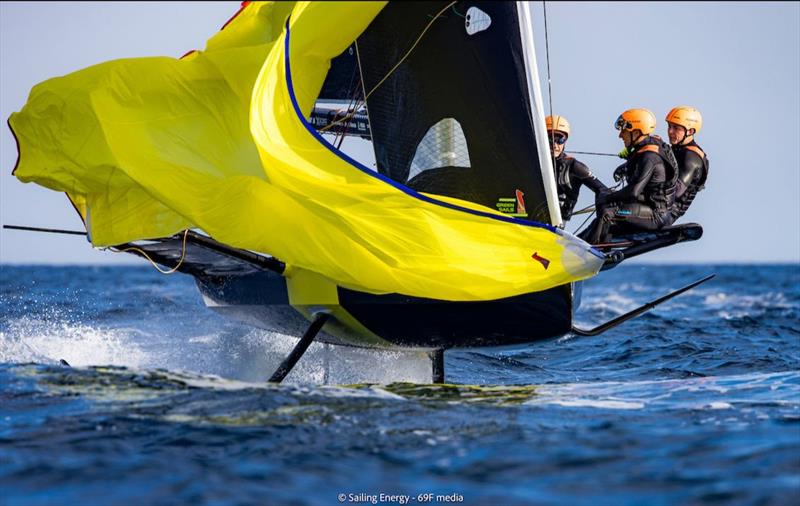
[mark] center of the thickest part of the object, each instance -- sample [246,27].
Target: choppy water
[695,402]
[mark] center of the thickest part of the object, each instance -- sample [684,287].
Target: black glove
[601,198]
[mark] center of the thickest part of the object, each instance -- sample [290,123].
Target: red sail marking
[241,8]
[521,202]
[545,262]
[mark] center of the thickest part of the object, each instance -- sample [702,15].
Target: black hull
[414,322]
[360,319]
[259,291]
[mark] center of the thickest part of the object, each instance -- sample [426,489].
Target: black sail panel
[454,117]
[342,78]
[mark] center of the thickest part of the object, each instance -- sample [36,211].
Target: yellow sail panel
[218,140]
[395,239]
[124,138]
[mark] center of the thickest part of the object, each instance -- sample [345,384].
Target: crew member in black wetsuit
[651,173]
[683,123]
[570,173]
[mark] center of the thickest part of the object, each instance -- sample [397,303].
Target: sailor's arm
[585,176]
[692,165]
[645,170]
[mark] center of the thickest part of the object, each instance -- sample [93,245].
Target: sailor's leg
[635,216]
[599,232]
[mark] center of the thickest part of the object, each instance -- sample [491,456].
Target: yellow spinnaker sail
[218,140]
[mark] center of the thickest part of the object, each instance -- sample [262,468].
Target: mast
[537,110]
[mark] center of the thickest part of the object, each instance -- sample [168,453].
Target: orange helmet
[561,124]
[685,116]
[637,119]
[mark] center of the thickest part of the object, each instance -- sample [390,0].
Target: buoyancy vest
[697,183]
[563,166]
[567,196]
[661,194]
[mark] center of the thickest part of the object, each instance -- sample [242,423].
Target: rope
[75,232]
[458,13]
[391,71]
[363,91]
[592,153]
[578,230]
[589,209]
[143,253]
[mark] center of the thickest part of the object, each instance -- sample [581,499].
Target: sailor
[651,172]
[683,123]
[570,173]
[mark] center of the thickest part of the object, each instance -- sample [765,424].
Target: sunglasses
[557,138]
[622,124]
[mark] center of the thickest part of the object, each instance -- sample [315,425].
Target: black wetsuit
[693,171]
[570,175]
[645,203]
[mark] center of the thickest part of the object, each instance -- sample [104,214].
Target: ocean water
[696,402]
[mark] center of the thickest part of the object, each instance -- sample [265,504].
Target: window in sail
[443,145]
[476,21]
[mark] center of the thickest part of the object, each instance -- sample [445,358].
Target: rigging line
[363,90]
[587,209]
[591,207]
[592,153]
[352,104]
[593,210]
[391,71]
[143,253]
[578,230]
[549,87]
[413,46]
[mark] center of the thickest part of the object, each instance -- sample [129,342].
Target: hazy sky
[739,63]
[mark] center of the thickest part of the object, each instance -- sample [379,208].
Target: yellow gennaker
[219,141]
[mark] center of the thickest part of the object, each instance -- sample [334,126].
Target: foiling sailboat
[452,240]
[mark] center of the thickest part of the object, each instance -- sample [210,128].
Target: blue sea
[696,402]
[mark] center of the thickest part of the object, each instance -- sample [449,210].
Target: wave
[230,351]
[744,391]
[33,340]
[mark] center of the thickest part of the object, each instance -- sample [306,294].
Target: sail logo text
[514,206]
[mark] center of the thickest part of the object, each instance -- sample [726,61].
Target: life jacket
[683,202]
[567,197]
[661,195]
[563,166]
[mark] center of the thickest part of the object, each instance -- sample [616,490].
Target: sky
[737,62]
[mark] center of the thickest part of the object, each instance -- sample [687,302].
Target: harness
[661,195]
[563,166]
[695,186]
[566,197]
